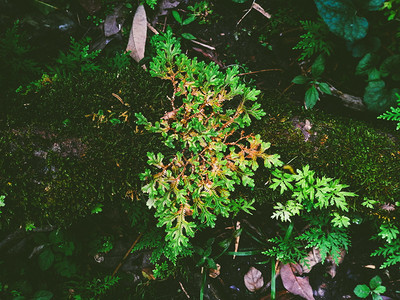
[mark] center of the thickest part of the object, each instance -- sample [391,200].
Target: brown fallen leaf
[111,26]
[253,280]
[214,273]
[295,284]
[311,260]
[138,34]
[261,10]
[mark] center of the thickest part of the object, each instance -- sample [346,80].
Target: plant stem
[273,279]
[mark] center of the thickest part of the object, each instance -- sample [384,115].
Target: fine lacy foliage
[212,153]
[328,242]
[393,114]
[391,253]
[314,41]
[79,58]
[311,193]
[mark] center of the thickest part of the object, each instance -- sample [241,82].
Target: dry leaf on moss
[138,34]
[253,280]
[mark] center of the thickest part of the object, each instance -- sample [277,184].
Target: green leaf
[188,36]
[362,291]
[366,64]
[375,282]
[324,87]
[342,19]
[366,45]
[377,98]
[374,5]
[391,66]
[65,268]
[300,79]
[380,289]
[46,259]
[43,295]
[177,16]
[376,297]
[318,66]
[189,20]
[311,97]
[239,1]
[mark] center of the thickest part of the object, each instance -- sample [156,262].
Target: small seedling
[374,289]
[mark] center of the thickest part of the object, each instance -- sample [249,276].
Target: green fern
[391,253]
[393,114]
[329,240]
[78,59]
[314,41]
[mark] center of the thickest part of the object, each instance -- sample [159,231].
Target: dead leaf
[332,265]
[214,273]
[295,284]
[91,6]
[253,280]
[138,34]
[261,10]
[313,258]
[111,26]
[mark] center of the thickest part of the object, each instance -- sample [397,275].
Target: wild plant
[210,152]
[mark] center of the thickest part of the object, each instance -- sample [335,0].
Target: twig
[183,289]
[204,45]
[285,90]
[260,71]
[126,255]
[261,10]
[248,11]
[152,28]
[237,239]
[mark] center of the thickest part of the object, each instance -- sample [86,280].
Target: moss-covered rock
[363,154]
[74,147]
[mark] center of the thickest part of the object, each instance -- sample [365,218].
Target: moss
[59,161]
[363,154]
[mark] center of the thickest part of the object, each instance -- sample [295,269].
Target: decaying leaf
[332,265]
[295,284]
[91,6]
[261,10]
[311,260]
[138,34]
[253,280]
[214,273]
[314,257]
[111,26]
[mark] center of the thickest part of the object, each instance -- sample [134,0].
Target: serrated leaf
[366,45]
[138,35]
[324,87]
[46,259]
[300,79]
[377,98]
[318,67]
[253,280]
[311,97]
[367,63]
[374,5]
[391,66]
[342,19]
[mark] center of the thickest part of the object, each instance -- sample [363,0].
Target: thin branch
[126,255]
